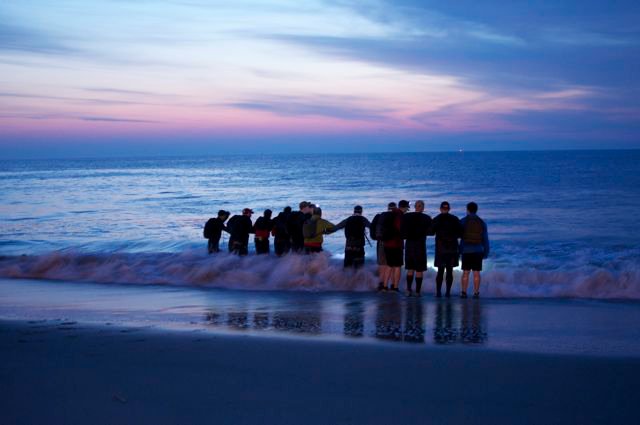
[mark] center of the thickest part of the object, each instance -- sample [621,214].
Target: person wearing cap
[262,229]
[240,226]
[355,234]
[313,239]
[213,230]
[393,243]
[376,234]
[294,225]
[474,247]
[415,228]
[446,228]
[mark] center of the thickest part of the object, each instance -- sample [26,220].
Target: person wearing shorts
[393,243]
[415,227]
[474,246]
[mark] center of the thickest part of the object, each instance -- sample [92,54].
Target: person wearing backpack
[294,226]
[474,246]
[376,234]
[213,230]
[415,228]
[262,230]
[313,229]
[280,232]
[446,228]
[239,228]
[393,243]
[355,234]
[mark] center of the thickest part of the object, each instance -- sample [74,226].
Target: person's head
[404,205]
[444,207]
[223,215]
[419,205]
[247,212]
[357,209]
[287,210]
[303,205]
[391,206]
[472,207]
[317,211]
[267,213]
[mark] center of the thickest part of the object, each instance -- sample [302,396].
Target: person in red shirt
[393,243]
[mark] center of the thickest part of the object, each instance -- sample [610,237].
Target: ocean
[562,224]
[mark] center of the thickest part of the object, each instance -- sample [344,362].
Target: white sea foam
[304,273]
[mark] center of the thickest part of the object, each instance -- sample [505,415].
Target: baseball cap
[247,211]
[403,204]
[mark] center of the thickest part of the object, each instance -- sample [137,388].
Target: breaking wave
[304,273]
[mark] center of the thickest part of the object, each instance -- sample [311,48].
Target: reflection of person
[388,316]
[354,232]
[414,322]
[443,331]
[474,246]
[240,226]
[213,230]
[354,319]
[446,227]
[471,324]
[415,227]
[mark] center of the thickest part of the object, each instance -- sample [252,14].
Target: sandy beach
[57,372]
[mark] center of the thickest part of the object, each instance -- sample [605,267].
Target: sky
[141,77]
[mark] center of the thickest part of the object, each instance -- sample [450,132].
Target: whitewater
[561,224]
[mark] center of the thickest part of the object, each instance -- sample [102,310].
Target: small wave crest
[317,272]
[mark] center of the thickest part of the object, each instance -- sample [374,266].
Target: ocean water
[561,224]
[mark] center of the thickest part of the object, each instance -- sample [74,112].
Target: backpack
[208,229]
[473,231]
[310,228]
[280,225]
[374,227]
[354,229]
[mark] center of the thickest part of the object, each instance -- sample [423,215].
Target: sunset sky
[120,77]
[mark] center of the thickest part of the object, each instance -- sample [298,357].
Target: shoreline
[71,373]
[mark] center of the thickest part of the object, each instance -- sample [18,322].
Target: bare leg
[476,282]
[395,276]
[464,282]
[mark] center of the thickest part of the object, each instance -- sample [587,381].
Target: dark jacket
[447,229]
[415,226]
[262,227]
[214,228]
[239,227]
[280,226]
[354,230]
[482,246]
[392,224]
[296,221]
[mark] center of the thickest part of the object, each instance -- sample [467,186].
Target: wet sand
[58,372]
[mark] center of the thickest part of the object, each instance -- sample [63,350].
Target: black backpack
[354,228]
[374,227]
[387,226]
[208,229]
[310,228]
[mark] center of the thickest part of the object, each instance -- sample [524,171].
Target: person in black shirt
[447,229]
[280,231]
[239,227]
[354,231]
[262,230]
[415,228]
[296,221]
[213,230]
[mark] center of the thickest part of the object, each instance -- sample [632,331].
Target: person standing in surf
[355,234]
[415,228]
[376,234]
[213,230]
[446,228]
[313,229]
[240,226]
[262,230]
[295,222]
[280,232]
[393,243]
[474,246]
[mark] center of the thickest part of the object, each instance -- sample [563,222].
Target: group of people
[401,238]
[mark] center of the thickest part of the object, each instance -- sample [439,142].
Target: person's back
[295,224]
[393,243]
[447,229]
[355,234]
[262,229]
[280,231]
[213,231]
[415,228]
[474,246]
[240,226]
[313,229]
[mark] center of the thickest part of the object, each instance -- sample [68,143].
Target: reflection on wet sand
[386,317]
